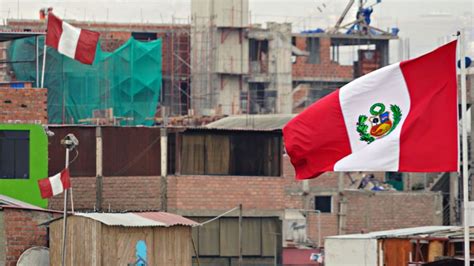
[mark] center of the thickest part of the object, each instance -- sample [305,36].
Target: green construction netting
[126,81]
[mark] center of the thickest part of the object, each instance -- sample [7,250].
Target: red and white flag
[54,185]
[402,117]
[70,41]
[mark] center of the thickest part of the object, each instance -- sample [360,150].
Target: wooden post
[98,166]
[164,160]
[240,234]
[195,251]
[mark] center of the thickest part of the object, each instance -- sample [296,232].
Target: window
[323,204]
[395,179]
[236,153]
[312,46]
[14,154]
[144,36]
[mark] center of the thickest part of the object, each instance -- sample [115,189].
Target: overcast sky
[426,23]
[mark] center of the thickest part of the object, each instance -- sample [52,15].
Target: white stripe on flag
[56,184]
[387,86]
[68,40]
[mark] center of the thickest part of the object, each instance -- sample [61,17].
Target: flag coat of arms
[402,117]
[76,43]
[54,185]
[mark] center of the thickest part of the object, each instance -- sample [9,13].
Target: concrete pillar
[453,198]
[279,67]
[382,47]
[98,168]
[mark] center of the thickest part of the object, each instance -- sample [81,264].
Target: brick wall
[22,232]
[118,193]
[369,211]
[325,69]
[221,193]
[131,192]
[375,211]
[25,105]
[84,193]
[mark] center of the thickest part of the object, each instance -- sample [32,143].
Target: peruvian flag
[402,117]
[54,185]
[70,41]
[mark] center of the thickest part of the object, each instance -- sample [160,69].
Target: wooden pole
[164,161]
[195,251]
[240,234]
[98,168]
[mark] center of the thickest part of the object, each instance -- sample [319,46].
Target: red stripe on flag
[429,137]
[45,188]
[86,46]
[317,138]
[65,180]
[55,29]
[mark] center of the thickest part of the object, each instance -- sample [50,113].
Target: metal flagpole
[465,160]
[44,56]
[63,252]
[44,65]
[37,61]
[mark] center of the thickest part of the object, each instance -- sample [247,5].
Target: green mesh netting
[127,80]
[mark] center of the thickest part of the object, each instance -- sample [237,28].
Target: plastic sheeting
[127,81]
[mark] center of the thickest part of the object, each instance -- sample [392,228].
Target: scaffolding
[202,61]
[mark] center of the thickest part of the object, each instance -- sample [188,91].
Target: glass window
[323,204]
[14,154]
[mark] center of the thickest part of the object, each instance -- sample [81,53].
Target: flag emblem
[381,121]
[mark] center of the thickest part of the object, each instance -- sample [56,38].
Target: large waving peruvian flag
[402,117]
[76,43]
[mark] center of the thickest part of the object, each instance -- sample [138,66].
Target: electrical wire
[219,216]
[75,157]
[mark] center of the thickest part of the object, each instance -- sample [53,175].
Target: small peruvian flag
[54,185]
[70,41]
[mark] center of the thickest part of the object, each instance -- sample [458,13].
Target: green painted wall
[27,190]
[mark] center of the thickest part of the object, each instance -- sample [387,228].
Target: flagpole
[44,65]
[465,159]
[63,252]
[44,57]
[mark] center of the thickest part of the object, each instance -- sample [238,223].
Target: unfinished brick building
[211,171]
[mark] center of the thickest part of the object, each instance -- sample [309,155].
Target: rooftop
[398,233]
[13,35]
[139,219]
[265,122]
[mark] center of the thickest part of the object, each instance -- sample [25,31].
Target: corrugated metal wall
[84,164]
[220,238]
[135,151]
[131,151]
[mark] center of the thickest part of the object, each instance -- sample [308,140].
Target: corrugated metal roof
[397,232]
[139,219]
[5,200]
[268,122]
[11,203]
